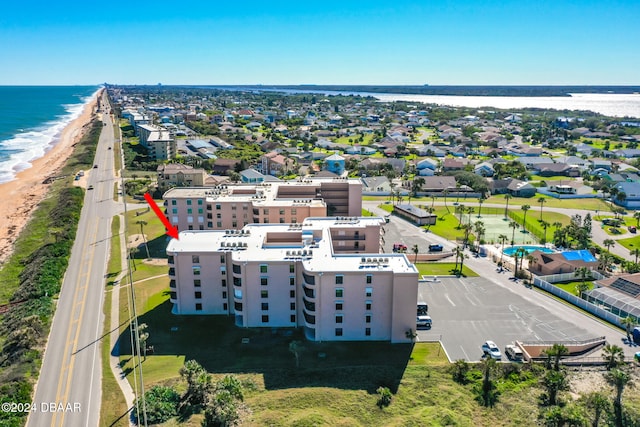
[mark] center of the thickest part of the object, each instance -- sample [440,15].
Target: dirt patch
[155,261]
[135,241]
[587,381]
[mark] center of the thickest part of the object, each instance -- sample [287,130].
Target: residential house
[179,175]
[450,164]
[224,166]
[561,262]
[335,163]
[519,188]
[274,163]
[484,169]
[557,169]
[628,195]
[376,184]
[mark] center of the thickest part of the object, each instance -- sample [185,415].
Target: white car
[491,349]
[423,321]
[514,353]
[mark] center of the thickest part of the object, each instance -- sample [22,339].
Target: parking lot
[468,311]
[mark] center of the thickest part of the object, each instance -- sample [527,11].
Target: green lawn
[630,242]
[442,269]
[571,286]
[533,221]
[589,204]
[354,139]
[153,229]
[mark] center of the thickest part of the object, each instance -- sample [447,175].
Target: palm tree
[635,252]
[628,324]
[142,223]
[445,192]
[525,208]
[598,402]
[502,238]
[457,251]
[556,352]
[636,215]
[618,379]
[604,261]
[554,382]
[462,257]
[518,255]
[488,393]
[470,211]
[544,224]
[542,201]
[467,229]
[478,228]
[460,209]
[531,261]
[416,251]
[608,243]
[613,356]
[433,200]
[513,225]
[582,273]
[506,207]
[480,200]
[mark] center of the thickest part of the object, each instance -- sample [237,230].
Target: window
[188,202]
[223,270]
[210,224]
[222,259]
[265,211]
[233,207]
[224,294]
[264,281]
[191,227]
[200,202]
[339,305]
[196,283]
[225,306]
[265,319]
[236,268]
[196,271]
[292,281]
[292,294]
[190,219]
[281,211]
[293,318]
[294,211]
[263,268]
[367,331]
[339,292]
[218,207]
[367,318]
[292,306]
[218,216]
[369,279]
[339,318]
[173,203]
[281,220]
[292,268]
[264,294]
[201,227]
[265,306]
[338,332]
[266,221]
[200,211]
[189,211]
[198,295]
[224,283]
[170,259]
[219,224]
[368,292]
[198,306]
[237,293]
[174,210]
[339,280]
[195,259]
[237,281]
[174,219]
[234,224]
[367,305]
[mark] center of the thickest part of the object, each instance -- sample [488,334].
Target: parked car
[399,247]
[95,166]
[90,187]
[423,322]
[490,349]
[632,230]
[514,353]
[423,308]
[435,248]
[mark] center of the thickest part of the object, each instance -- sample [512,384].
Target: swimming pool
[512,250]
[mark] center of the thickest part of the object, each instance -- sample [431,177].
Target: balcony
[172,271]
[309,280]
[172,284]
[309,305]
[351,238]
[309,319]
[173,297]
[237,306]
[308,292]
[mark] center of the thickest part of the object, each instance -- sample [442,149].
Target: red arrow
[172,230]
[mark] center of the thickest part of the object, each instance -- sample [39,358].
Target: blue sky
[580,42]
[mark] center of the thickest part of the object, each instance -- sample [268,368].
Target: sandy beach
[21,196]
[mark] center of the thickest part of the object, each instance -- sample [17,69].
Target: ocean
[31,119]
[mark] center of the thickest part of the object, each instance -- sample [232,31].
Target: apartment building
[324,275]
[233,207]
[159,142]
[177,174]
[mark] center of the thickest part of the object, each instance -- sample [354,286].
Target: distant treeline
[453,90]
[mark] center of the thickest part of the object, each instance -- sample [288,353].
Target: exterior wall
[404,294]
[193,178]
[214,286]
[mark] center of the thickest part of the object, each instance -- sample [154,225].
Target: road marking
[466,356]
[449,299]
[68,360]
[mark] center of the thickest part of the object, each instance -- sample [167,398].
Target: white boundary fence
[545,283]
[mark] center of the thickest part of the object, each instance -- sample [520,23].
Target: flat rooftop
[309,242]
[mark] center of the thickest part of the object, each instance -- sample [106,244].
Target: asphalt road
[68,392]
